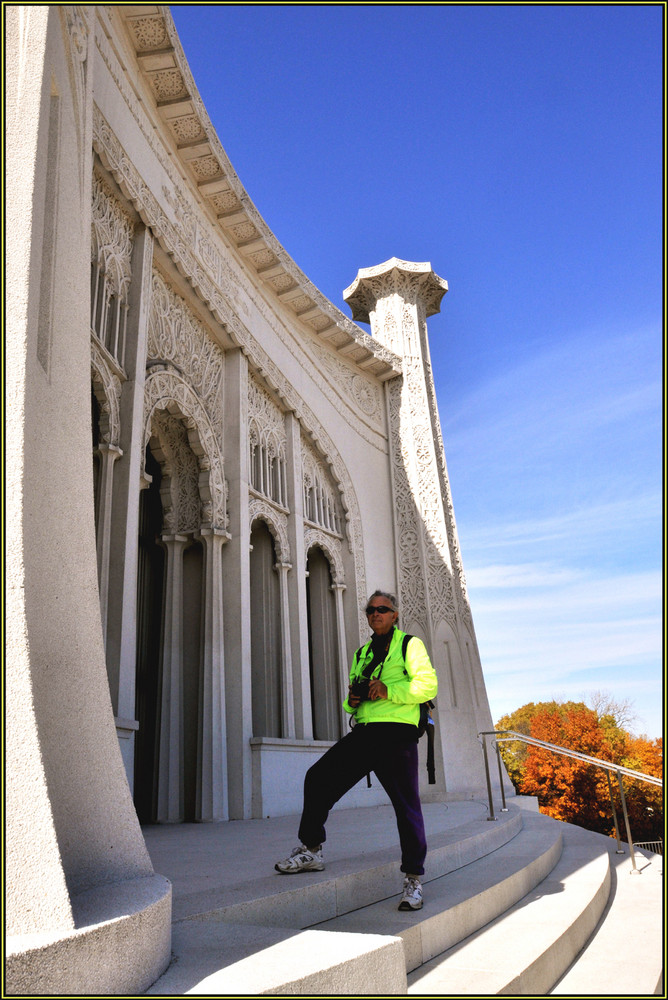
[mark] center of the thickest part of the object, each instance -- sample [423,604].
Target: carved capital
[385,295]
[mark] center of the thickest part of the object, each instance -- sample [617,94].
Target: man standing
[384,694]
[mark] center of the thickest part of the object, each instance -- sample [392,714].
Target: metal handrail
[607,765]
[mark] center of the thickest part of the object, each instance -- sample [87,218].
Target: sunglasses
[381,609]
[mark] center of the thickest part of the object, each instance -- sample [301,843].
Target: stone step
[220,959]
[347,883]
[624,956]
[253,937]
[460,902]
[526,948]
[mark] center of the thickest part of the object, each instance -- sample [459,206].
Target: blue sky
[518,149]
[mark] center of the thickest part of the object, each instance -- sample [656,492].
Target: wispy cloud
[542,629]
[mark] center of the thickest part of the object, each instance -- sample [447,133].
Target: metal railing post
[620,849]
[626,821]
[504,807]
[607,766]
[489,784]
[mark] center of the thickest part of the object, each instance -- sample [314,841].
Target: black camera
[360,689]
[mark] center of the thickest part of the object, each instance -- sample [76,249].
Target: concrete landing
[228,868]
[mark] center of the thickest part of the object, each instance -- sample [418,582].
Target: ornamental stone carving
[321,503]
[77,32]
[277,522]
[179,492]
[176,335]
[219,292]
[107,389]
[168,84]
[112,238]
[267,442]
[315,538]
[187,129]
[167,390]
[149,32]
[367,395]
[396,297]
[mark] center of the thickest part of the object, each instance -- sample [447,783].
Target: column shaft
[170,808]
[287,692]
[212,750]
[109,453]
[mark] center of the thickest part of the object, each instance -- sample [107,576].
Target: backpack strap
[426,721]
[404,646]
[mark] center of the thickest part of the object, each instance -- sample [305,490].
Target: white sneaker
[301,860]
[412,897]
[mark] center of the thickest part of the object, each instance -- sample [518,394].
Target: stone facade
[188,566]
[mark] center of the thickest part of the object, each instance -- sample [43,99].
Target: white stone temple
[209,469]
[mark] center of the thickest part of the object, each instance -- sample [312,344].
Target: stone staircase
[524,905]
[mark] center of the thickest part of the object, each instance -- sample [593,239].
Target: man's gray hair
[390,598]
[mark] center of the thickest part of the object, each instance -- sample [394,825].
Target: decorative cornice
[163,64]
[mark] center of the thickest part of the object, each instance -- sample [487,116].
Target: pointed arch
[277,523]
[166,390]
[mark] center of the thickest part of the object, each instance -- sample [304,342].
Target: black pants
[389,749]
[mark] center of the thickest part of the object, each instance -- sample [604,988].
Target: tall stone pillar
[287,692]
[84,911]
[170,808]
[108,453]
[396,298]
[121,636]
[338,590]
[211,764]
[236,585]
[297,580]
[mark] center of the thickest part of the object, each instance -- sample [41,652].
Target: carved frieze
[176,335]
[367,395]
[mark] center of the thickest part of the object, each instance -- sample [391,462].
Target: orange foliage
[577,792]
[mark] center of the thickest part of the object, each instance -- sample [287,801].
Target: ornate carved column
[212,757]
[237,591]
[170,807]
[297,581]
[396,298]
[338,589]
[287,693]
[108,454]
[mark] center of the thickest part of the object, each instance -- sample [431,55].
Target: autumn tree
[644,801]
[572,790]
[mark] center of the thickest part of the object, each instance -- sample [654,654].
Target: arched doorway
[169,629]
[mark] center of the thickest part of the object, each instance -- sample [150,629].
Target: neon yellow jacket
[406,688]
